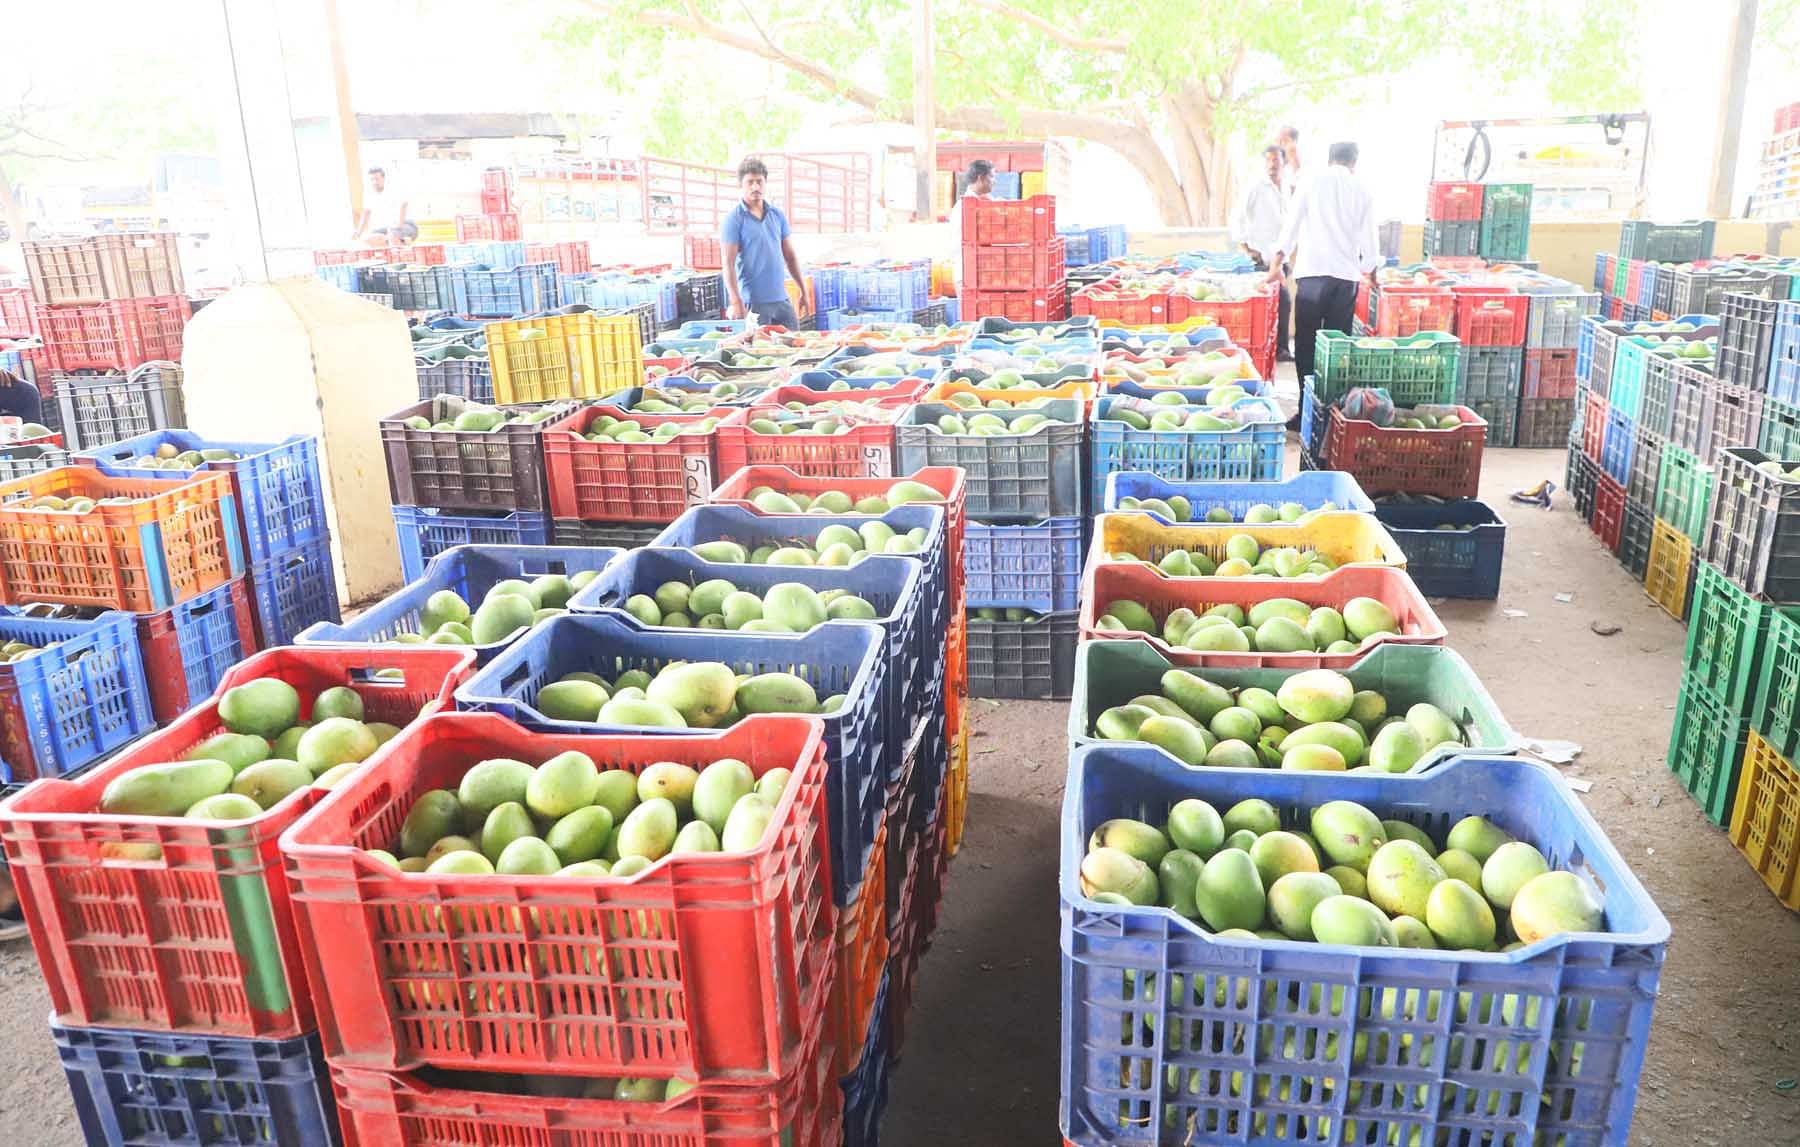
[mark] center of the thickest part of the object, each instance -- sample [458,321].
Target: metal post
[1731,107]
[924,107]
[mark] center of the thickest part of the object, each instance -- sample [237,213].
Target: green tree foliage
[1173,86]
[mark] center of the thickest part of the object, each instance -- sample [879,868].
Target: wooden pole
[347,135]
[1738,44]
[924,107]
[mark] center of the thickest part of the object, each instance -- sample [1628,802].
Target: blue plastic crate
[501,256]
[82,698]
[134,1088]
[952,309]
[893,585]
[1074,327]
[751,529]
[844,657]
[1310,490]
[1076,251]
[1009,477]
[847,357]
[1603,271]
[470,571]
[1784,355]
[905,287]
[207,636]
[830,288]
[1315,420]
[822,381]
[1134,338]
[1463,562]
[1250,454]
[1584,346]
[701,328]
[280,495]
[1196,395]
[839,320]
[613,291]
[343,276]
[1008,185]
[507,293]
[1540,1045]
[292,591]
[572,290]
[1617,445]
[425,533]
[1036,566]
[865,1088]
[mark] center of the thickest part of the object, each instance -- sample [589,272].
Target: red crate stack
[1453,203]
[1012,260]
[15,312]
[497,191]
[701,252]
[106,302]
[495,227]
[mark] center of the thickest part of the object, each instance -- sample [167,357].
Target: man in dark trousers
[754,243]
[1330,237]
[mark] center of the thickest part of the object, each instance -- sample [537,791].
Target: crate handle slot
[378,677]
[518,676]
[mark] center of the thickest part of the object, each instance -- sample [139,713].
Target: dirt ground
[980,1063]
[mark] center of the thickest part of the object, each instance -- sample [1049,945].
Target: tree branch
[1066,39]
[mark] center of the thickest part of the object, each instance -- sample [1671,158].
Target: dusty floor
[980,1062]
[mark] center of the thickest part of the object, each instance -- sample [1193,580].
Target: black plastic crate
[498,469]
[1023,660]
[100,409]
[1489,374]
[1666,242]
[1753,526]
[935,315]
[624,535]
[1462,560]
[1746,338]
[700,297]
[1646,466]
[471,378]
[1584,481]
[1634,540]
[1453,238]
[1702,290]
[1502,418]
[412,288]
[646,317]
[1544,423]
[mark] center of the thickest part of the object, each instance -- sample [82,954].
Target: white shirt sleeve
[1290,230]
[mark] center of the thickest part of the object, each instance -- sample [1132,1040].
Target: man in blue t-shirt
[753,240]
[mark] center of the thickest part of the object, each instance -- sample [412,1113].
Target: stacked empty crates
[1491,221]
[499,218]
[105,305]
[1012,260]
[1491,323]
[1548,382]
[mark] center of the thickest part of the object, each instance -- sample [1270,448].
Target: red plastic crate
[1014,267]
[702,252]
[385,1109]
[113,336]
[1593,427]
[201,939]
[1453,202]
[986,222]
[1040,306]
[865,451]
[571,257]
[493,227]
[1406,310]
[860,953]
[166,664]
[1133,309]
[1615,309]
[708,966]
[417,255]
[174,538]
[1490,316]
[15,312]
[1550,373]
[1634,282]
[1161,594]
[339,256]
[628,481]
[1389,460]
[497,190]
[1608,521]
[1249,323]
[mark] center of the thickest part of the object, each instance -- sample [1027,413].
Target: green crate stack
[1415,369]
[1505,221]
[1723,685]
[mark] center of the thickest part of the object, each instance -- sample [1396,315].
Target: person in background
[384,208]
[1330,231]
[980,184]
[1258,228]
[755,245]
[19,398]
[1288,140]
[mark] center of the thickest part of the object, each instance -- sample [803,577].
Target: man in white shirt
[1258,230]
[1288,140]
[981,186]
[384,207]
[1330,232]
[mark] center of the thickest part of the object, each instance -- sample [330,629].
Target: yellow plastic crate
[1031,183]
[1346,538]
[1669,576]
[436,230]
[956,730]
[943,192]
[1765,822]
[941,392]
[564,356]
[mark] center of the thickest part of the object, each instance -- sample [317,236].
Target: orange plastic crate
[171,540]
[861,955]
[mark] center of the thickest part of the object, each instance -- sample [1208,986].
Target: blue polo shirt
[761,270]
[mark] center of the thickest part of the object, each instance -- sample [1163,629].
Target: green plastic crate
[1683,492]
[1706,750]
[1505,221]
[1419,368]
[1776,714]
[1726,632]
[1112,672]
[1780,436]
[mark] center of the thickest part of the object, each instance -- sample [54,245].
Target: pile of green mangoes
[1177,508]
[1692,349]
[1776,468]
[169,456]
[1421,418]
[820,418]
[509,606]
[836,545]
[1276,625]
[31,430]
[989,425]
[1317,721]
[682,695]
[966,401]
[1199,368]
[996,613]
[748,358]
[1172,411]
[673,400]
[264,753]
[608,428]
[1008,378]
[476,418]
[904,492]
[1244,557]
[12,651]
[1353,879]
[1031,337]
[886,365]
[786,607]
[566,817]
[79,504]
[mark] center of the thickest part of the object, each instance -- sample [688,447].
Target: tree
[1170,86]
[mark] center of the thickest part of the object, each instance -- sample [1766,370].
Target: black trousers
[1321,303]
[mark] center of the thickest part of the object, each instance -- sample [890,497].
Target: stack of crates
[1492,323]
[499,217]
[1453,220]
[180,1005]
[1012,260]
[287,581]
[1547,386]
[1505,222]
